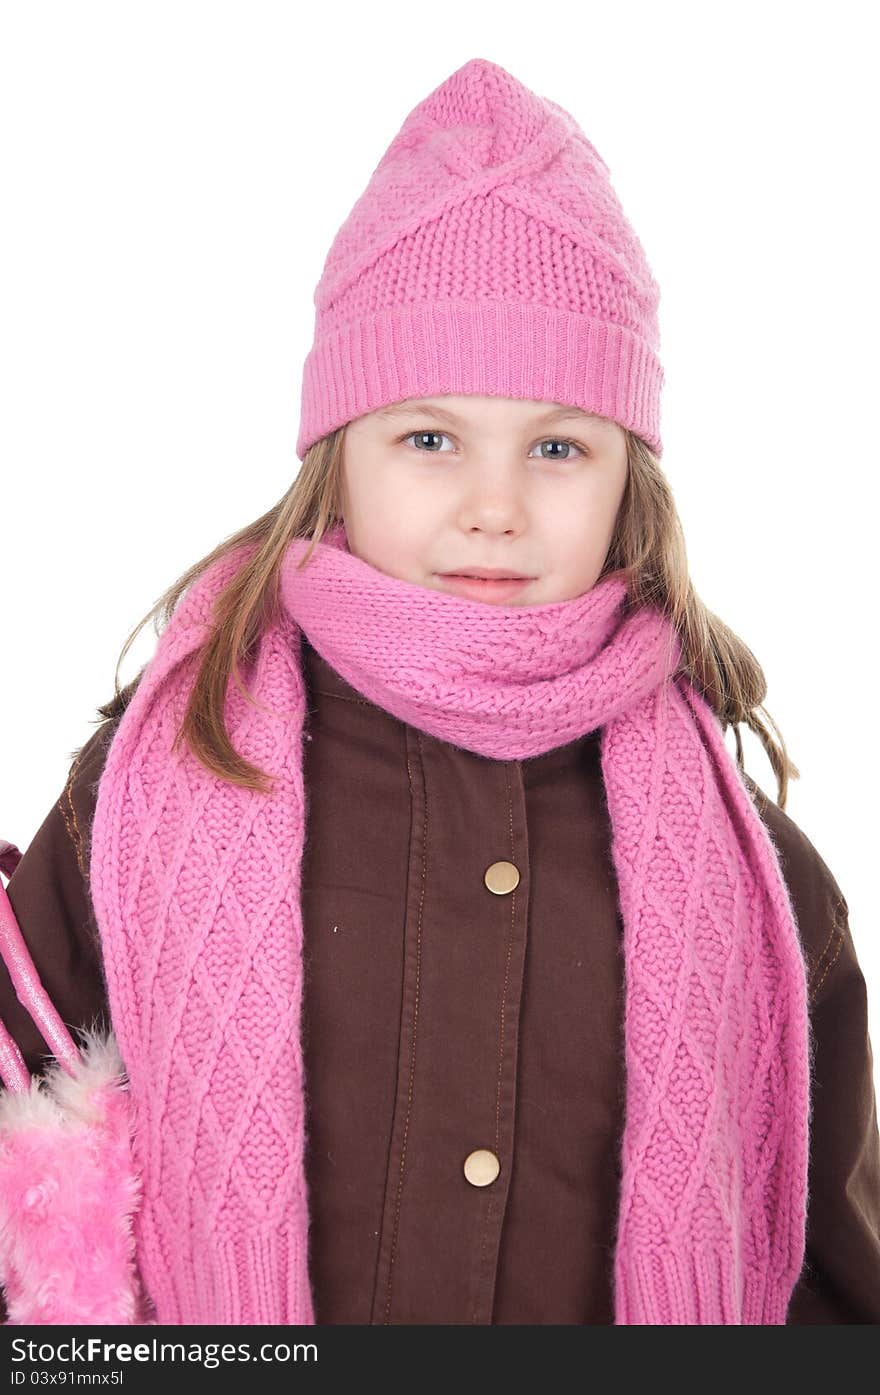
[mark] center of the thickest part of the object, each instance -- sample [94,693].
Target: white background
[172,177]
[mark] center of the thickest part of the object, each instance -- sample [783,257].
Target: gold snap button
[481,1167]
[501,877]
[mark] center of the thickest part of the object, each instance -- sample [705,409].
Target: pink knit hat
[488,254]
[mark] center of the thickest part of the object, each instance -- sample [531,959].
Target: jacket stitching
[344,697]
[761,799]
[490,1206]
[818,963]
[412,1058]
[837,928]
[72,823]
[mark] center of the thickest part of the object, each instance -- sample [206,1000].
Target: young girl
[459,973]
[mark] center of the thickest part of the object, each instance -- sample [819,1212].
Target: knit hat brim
[496,348]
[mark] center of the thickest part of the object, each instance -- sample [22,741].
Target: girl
[459,973]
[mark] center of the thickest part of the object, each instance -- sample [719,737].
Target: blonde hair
[647,548]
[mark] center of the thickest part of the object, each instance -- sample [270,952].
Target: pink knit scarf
[196,888]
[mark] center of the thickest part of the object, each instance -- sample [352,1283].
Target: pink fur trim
[69,1192]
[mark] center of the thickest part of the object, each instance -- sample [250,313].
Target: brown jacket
[440,1019]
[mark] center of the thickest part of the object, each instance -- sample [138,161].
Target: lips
[490,574]
[497,588]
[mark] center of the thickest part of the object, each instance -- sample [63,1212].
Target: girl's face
[524,486]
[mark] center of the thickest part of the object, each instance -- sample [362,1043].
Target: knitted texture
[488,254]
[196,888]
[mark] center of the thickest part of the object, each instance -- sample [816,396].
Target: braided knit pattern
[196,891]
[488,254]
[195,884]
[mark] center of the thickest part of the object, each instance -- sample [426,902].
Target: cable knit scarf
[196,888]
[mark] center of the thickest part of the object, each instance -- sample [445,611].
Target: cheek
[383,481]
[370,499]
[392,535]
[405,504]
[581,534]
[592,507]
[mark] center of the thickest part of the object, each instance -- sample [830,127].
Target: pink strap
[10,857]
[13,1070]
[29,990]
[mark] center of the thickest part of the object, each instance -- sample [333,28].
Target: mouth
[484,587]
[489,574]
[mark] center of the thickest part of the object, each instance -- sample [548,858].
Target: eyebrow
[416,408]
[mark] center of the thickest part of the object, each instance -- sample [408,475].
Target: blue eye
[423,436]
[560,441]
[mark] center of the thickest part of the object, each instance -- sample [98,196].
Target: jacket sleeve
[840,1282]
[48,892]
[840,1279]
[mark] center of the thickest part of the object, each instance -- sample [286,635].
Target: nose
[492,502]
